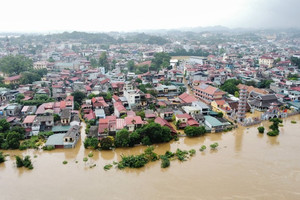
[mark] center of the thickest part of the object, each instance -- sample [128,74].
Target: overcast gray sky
[129,15]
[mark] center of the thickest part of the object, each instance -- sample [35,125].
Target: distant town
[127,89]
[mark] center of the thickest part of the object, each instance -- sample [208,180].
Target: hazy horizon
[34,16]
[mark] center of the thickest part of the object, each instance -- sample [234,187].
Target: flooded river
[247,165]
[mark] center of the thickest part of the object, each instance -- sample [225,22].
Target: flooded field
[247,165]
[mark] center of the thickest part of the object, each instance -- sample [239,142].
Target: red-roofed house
[12,80]
[107,125]
[187,98]
[29,119]
[165,123]
[186,120]
[133,122]
[221,106]
[119,109]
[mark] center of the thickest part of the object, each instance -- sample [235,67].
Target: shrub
[194,131]
[261,129]
[181,155]
[65,162]
[165,162]
[107,143]
[273,133]
[214,145]
[91,142]
[192,152]
[48,148]
[2,157]
[26,162]
[107,167]
[85,159]
[90,154]
[293,122]
[146,141]
[203,147]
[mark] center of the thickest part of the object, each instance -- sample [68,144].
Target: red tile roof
[187,98]
[29,119]
[133,120]
[119,106]
[164,122]
[13,78]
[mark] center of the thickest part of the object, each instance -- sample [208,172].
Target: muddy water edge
[246,165]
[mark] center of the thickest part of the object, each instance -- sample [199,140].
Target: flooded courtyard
[247,165]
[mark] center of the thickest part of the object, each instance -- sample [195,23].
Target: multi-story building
[208,93]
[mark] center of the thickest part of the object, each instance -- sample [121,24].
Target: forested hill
[94,38]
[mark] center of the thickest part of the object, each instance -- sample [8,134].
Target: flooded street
[247,165]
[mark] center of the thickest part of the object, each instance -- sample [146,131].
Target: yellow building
[265,60]
[221,106]
[12,80]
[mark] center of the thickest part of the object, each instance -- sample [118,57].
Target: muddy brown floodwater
[247,165]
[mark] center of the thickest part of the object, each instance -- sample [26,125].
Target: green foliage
[265,83]
[165,162]
[214,145]
[38,100]
[203,147]
[261,129]
[56,117]
[91,142]
[91,96]
[76,106]
[26,162]
[2,157]
[107,167]
[48,148]
[15,64]
[107,143]
[29,77]
[273,133]
[4,125]
[181,154]
[103,61]
[194,131]
[19,161]
[130,65]
[183,52]
[220,114]
[30,143]
[295,61]
[65,162]
[90,154]
[20,97]
[85,159]
[251,83]
[13,140]
[78,96]
[46,134]
[146,141]
[134,138]
[138,160]
[122,138]
[155,132]
[293,122]
[274,127]
[141,114]
[236,94]
[160,60]
[192,152]
[230,86]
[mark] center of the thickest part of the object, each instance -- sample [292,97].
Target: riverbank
[246,165]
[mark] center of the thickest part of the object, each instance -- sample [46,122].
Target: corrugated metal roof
[56,139]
